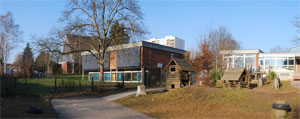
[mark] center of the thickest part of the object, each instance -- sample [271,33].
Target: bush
[214,75]
[272,75]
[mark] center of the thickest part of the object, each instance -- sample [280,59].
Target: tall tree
[27,64]
[118,34]
[220,39]
[9,34]
[42,62]
[95,18]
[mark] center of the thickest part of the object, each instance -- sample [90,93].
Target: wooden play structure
[236,78]
[178,73]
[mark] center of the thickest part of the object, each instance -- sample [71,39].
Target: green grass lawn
[205,102]
[74,83]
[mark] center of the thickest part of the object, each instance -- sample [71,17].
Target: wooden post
[229,84]
[117,74]
[79,83]
[82,74]
[63,84]
[239,85]
[142,76]
[92,85]
[247,79]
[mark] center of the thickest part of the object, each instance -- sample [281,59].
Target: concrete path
[121,95]
[101,108]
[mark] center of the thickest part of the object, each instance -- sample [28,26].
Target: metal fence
[11,86]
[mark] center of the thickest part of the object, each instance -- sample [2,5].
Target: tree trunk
[101,72]
[1,68]
[101,62]
[73,68]
[73,63]
[4,56]
[101,76]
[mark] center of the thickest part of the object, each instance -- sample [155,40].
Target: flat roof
[144,44]
[280,54]
[244,51]
[258,51]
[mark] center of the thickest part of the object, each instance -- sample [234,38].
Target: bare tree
[279,49]
[95,18]
[9,34]
[220,39]
[297,25]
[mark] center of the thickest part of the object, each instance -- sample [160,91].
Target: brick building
[134,62]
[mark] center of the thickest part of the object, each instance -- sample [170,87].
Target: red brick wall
[64,67]
[150,57]
[113,60]
[67,67]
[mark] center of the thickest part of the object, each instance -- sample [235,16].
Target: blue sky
[257,24]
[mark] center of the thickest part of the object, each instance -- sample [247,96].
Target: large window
[265,61]
[127,76]
[107,77]
[270,62]
[136,76]
[282,61]
[120,76]
[250,61]
[238,62]
[291,61]
[278,62]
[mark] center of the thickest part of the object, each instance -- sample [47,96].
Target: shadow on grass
[14,107]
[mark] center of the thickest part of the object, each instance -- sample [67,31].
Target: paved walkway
[96,107]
